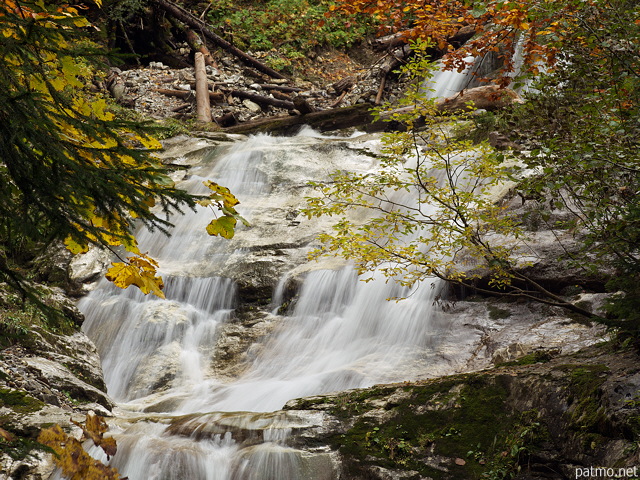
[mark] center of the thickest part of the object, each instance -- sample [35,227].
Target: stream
[201,377]
[339,333]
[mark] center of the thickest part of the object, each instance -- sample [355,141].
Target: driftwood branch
[183,94]
[325,121]
[195,23]
[262,100]
[339,100]
[189,95]
[383,82]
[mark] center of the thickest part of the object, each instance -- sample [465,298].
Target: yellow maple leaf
[75,247]
[223,226]
[139,271]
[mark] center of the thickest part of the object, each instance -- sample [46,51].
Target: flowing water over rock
[339,334]
[200,376]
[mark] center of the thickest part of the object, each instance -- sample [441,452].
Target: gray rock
[552,402]
[89,267]
[61,378]
[252,106]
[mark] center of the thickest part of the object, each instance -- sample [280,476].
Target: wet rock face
[270,255]
[57,369]
[554,416]
[263,443]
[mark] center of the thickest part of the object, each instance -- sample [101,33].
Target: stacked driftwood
[276,91]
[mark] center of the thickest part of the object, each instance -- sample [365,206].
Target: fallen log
[324,121]
[344,85]
[262,100]
[394,59]
[183,94]
[487,97]
[194,22]
[302,105]
[181,108]
[226,120]
[460,38]
[189,94]
[281,88]
[196,45]
[281,96]
[392,41]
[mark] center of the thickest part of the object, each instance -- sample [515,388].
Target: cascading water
[446,83]
[157,354]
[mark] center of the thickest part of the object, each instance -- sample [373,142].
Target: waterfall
[446,83]
[179,416]
[157,354]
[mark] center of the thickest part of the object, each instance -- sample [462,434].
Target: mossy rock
[458,427]
[533,415]
[19,401]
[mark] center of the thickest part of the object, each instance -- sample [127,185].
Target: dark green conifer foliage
[69,170]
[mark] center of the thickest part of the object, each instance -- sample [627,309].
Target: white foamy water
[157,354]
[446,83]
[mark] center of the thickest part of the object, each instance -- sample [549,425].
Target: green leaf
[223,226]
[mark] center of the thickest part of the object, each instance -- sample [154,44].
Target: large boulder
[545,415]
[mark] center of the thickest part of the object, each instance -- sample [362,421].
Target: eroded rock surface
[57,379]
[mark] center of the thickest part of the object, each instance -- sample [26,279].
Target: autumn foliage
[71,458]
[540,26]
[577,130]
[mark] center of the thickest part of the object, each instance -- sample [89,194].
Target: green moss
[540,356]
[496,313]
[18,317]
[449,418]
[346,404]
[19,401]
[587,414]
[21,447]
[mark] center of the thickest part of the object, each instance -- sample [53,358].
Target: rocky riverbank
[160,92]
[45,379]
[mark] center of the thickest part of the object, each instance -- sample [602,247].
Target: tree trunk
[196,44]
[203,106]
[194,22]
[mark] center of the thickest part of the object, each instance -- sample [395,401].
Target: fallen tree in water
[324,121]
